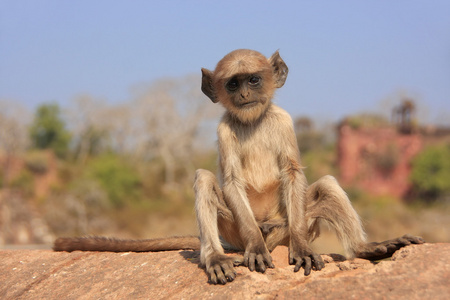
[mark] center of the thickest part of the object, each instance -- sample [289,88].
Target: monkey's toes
[413,239]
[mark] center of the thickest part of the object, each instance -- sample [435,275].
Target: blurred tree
[13,135]
[79,210]
[86,120]
[303,124]
[122,126]
[308,138]
[116,177]
[171,114]
[393,100]
[431,172]
[48,130]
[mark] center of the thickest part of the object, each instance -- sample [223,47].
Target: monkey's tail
[95,243]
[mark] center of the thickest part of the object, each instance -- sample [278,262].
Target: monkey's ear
[207,85]
[280,69]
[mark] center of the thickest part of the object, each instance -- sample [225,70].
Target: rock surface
[415,272]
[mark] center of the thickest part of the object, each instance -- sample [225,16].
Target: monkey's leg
[209,205]
[327,201]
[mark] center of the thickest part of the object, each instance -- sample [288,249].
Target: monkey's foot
[306,258]
[257,258]
[220,268]
[380,250]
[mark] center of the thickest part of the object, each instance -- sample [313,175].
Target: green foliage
[310,141]
[92,142]
[366,121]
[319,163]
[37,162]
[431,171]
[120,181]
[48,130]
[24,182]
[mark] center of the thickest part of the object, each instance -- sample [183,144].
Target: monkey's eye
[232,85]
[254,80]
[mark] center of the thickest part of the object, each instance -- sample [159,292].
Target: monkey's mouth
[248,104]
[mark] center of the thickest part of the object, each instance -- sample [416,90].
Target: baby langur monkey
[261,198]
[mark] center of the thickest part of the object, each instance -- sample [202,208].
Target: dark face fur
[247,96]
[244,82]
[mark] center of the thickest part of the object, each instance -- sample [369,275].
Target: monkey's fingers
[246,258]
[318,261]
[291,259]
[221,269]
[411,239]
[307,265]
[251,261]
[264,260]
[268,260]
[260,263]
[381,250]
[297,261]
[309,262]
[230,273]
[404,242]
[212,275]
[220,276]
[414,239]
[221,273]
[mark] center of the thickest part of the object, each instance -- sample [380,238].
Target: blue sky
[344,57]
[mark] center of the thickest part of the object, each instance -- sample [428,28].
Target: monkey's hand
[380,250]
[258,256]
[220,268]
[301,255]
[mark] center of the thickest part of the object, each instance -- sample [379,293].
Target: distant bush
[319,163]
[431,172]
[37,162]
[120,181]
[79,210]
[48,130]
[366,121]
[24,182]
[310,141]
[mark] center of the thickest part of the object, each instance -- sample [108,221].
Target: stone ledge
[415,272]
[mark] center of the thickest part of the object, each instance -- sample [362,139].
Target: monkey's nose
[244,95]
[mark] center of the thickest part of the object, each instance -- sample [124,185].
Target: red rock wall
[377,160]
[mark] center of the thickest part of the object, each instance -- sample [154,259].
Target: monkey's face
[244,82]
[247,96]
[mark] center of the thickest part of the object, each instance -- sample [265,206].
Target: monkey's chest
[260,168]
[262,178]
[264,203]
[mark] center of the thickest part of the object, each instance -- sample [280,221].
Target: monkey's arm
[380,250]
[294,186]
[256,255]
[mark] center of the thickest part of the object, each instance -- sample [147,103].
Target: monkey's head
[244,82]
